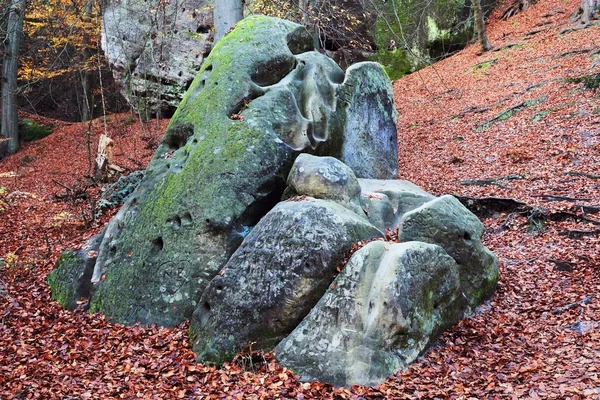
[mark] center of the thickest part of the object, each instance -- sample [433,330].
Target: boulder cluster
[275,165]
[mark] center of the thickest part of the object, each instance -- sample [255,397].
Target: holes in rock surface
[242,104]
[180,73]
[177,137]
[219,289]
[203,29]
[272,71]
[186,218]
[112,251]
[194,15]
[175,221]
[467,236]
[157,245]
[204,313]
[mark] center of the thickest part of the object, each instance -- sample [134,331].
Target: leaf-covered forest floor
[538,338]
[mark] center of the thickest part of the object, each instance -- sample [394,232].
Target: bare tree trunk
[227,13]
[588,10]
[9,140]
[480,26]
[86,77]
[308,22]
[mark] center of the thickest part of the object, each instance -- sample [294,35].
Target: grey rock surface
[324,178]
[446,222]
[70,280]
[155,48]
[378,196]
[278,274]
[370,145]
[386,306]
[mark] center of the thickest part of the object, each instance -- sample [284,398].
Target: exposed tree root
[516,7]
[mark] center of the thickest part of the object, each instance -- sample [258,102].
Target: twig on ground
[578,234]
[552,197]
[584,301]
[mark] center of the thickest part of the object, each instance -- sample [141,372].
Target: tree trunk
[86,75]
[227,13]
[9,140]
[480,26]
[588,10]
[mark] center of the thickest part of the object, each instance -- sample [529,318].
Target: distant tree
[226,14]
[480,26]
[9,138]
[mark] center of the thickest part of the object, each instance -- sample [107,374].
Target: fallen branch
[487,206]
[588,209]
[584,301]
[578,234]
[490,181]
[563,215]
[574,173]
[562,265]
[573,53]
[552,197]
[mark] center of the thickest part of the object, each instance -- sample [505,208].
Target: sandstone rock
[446,222]
[383,310]
[214,175]
[70,280]
[155,48]
[379,196]
[379,211]
[324,178]
[278,274]
[370,145]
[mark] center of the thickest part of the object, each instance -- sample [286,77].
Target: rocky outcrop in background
[155,48]
[207,237]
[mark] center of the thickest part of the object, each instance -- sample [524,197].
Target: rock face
[370,146]
[71,279]
[387,305]
[155,48]
[271,282]
[446,222]
[324,178]
[262,97]
[386,201]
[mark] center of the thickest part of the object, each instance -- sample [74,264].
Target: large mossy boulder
[384,309]
[262,97]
